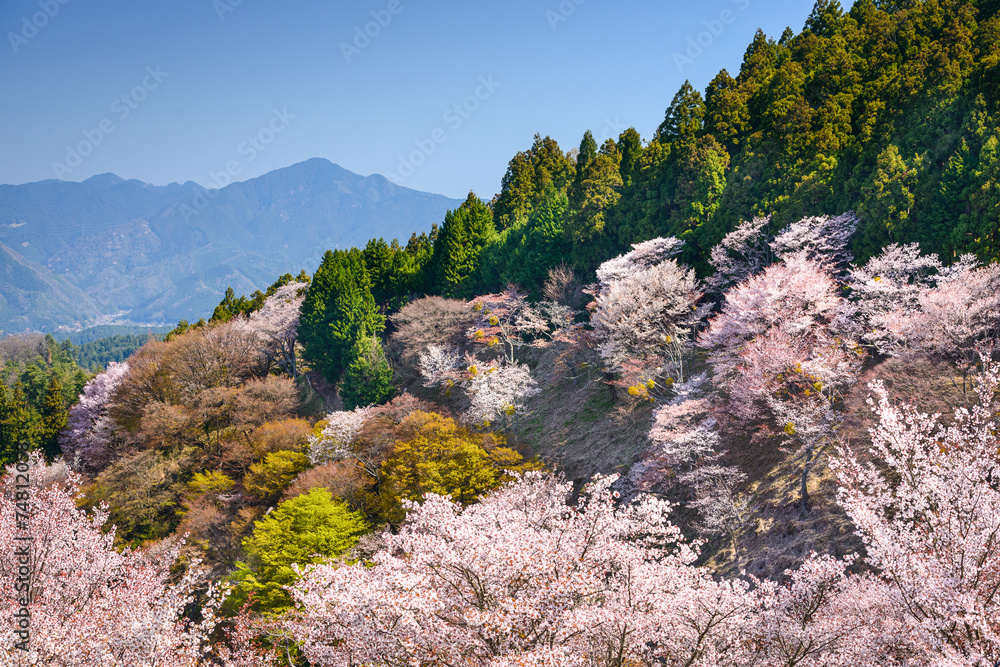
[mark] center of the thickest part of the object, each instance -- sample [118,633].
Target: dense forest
[666,400]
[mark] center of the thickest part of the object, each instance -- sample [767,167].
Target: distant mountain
[74,254]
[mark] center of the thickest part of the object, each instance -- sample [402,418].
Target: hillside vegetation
[725,396]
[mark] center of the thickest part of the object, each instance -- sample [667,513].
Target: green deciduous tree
[309,528]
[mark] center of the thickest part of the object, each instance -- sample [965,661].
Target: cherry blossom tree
[340,431]
[90,605]
[276,324]
[741,253]
[506,321]
[524,578]
[955,318]
[644,311]
[440,366]
[776,350]
[887,286]
[643,255]
[87,441]
[497,392]
[821,238]
[927,505]
[686,451]
[495,385]
[822,616]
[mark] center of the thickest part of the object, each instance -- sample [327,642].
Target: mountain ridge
[159,253]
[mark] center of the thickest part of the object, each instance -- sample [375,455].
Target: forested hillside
[722,396]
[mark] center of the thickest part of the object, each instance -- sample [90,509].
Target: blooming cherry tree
[523,578]
[775,348]
[955,318]
[642,256]
[505,320]
[821,238]
[741,253]
[646,314]
[87,440]
[276,323]
[338,434]
[927,505]
[90,605]
[497,392]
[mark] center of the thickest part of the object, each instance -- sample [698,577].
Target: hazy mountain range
[75,254]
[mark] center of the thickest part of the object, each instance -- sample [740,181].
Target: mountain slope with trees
[725,396]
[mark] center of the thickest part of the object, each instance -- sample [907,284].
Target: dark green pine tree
[53,414]
[338,309]
[378,256]
[517,191]
[630,149]
[824,20]
[465,232]
[368,378]
[586,154]
[684,115]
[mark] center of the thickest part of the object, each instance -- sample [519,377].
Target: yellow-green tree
[306,529]
[266,480]
[436,455]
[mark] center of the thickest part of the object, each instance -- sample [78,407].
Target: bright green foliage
[305,529]
[368,379]
[458,246]
[338,309]
[439,456]
[266,480]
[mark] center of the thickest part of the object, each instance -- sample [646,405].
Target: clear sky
[178,90]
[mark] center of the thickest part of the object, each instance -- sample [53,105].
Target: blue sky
[435,95]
